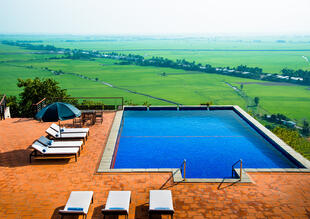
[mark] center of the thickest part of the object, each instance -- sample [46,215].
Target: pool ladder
[232,169]
[184,168]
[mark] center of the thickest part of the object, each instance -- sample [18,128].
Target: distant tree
[35,90]
[256,100]
[163,74]
[273,118]
[241,86]
[305,128]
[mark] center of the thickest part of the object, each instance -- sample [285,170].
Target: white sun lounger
[161,202]
[78,203]
[56,135]
[69,130]
[42,152]
[117,203]
[60,144]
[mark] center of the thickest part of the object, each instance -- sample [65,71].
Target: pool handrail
[232,169]
[184,168]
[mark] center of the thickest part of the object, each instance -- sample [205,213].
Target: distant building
[283,77]
[289,123]
[297,79]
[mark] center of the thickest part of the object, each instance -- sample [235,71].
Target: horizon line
[163,34]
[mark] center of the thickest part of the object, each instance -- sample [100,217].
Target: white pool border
[106,160]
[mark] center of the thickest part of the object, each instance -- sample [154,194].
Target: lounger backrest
[55,127]
[118,201]
[39,147]
[51,132]
[161,200]
[79,199]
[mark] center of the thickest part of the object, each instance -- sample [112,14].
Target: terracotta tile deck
[39,190]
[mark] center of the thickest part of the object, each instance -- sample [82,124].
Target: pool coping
[107,157]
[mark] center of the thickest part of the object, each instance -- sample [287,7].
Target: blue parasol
[58,111]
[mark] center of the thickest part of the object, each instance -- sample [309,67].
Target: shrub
[35,90]
[293,139]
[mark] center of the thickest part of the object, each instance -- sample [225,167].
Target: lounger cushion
[40,147]
[79,200]
[55,134]
[118,201]
[59,144]
[161,200]
[45,141]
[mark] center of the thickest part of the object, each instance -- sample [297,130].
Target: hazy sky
[155,16]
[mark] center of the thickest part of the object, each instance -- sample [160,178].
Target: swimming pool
[210,141]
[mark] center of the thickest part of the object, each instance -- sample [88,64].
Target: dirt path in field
[306,59]
[269,83]
[124,89]
[248,100]
[184,73]
[109,85]
[139,93]
[102,82]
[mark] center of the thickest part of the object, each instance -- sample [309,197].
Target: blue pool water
[210,141]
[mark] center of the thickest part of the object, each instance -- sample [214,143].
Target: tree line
[30,46]
[297,73]
[288,75]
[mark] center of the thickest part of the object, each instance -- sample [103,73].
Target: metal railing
[2,107]
[39,105]
[107,105]
[232,169]
[75,101]
[184,169]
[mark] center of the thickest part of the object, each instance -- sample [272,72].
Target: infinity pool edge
[107,157]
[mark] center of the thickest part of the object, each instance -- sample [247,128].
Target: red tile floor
[40,189]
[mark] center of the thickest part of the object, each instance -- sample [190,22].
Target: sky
[155,16]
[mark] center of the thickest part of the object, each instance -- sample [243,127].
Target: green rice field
[183,87]
[268,55]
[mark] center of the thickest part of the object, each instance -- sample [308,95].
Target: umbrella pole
[59,128]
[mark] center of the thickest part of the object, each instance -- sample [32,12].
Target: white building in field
[297,79]
[283,77]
